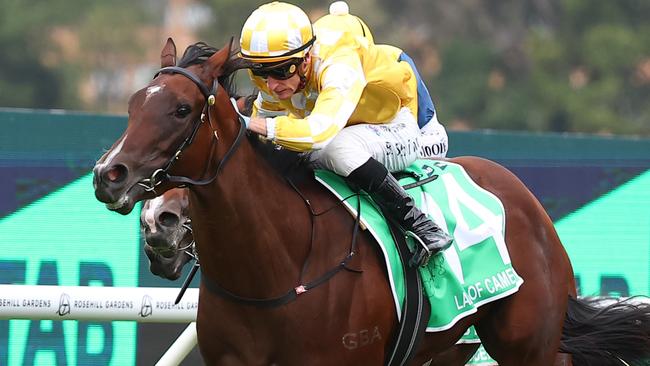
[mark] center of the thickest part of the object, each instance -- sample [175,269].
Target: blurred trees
[540,65]
[592,72]
[48,46]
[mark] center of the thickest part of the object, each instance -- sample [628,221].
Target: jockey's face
[285,88]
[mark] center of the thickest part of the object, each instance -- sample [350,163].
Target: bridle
[189,249]
[162,175]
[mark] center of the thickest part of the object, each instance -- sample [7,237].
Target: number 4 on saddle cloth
[475,270]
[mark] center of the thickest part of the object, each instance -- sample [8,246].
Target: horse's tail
[598,334]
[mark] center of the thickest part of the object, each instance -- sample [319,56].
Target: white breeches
[433,140]
[394,144]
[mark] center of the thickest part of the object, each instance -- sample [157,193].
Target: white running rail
[140,304]
[180,348]
[94,303]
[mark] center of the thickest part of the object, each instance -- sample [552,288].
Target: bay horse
[166,227]
[167,231]
[266,231]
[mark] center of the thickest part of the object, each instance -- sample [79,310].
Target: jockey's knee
[341,156]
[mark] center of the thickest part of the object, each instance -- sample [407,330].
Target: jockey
[329,90]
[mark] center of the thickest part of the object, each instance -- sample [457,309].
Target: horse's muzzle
[109,182]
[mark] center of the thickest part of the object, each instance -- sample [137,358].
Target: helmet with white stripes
[276,32]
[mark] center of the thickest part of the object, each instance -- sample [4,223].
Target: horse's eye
[182,111]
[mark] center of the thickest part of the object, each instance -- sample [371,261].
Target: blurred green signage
[68,238]
[608,241]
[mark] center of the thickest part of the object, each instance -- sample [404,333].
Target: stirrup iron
[421,253]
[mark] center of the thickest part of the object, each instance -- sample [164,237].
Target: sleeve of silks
[266,106]
[342,82]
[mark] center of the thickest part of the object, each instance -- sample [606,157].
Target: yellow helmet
[275,32]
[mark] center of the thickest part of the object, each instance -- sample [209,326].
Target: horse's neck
[251,227]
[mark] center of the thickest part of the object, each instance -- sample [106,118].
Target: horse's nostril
[116,173]
[168,219]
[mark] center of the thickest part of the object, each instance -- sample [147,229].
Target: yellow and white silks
[351,83]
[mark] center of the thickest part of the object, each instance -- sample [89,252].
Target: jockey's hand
[246,119]
[258,125]
[255,124]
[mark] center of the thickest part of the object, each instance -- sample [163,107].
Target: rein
[302,287]
[162,175]
[293,293]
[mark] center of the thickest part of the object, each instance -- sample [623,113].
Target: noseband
[162,175]
[189,249]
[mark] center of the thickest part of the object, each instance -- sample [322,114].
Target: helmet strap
[303,77]
[303,82]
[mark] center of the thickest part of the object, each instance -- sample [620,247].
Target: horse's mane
[199,52]
[196,53]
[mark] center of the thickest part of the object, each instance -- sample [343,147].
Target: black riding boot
[400,208]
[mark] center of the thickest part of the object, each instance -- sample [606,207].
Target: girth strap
[413,320]
[275,301]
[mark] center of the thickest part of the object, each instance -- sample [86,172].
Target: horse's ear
[168,54]
[216,62]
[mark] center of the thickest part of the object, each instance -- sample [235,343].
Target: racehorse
[167,231]
[165,219]
[268,236]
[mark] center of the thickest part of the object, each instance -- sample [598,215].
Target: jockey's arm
[342,82]
[266,106]
[258,125]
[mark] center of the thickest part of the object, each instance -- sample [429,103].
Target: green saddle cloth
[475,270]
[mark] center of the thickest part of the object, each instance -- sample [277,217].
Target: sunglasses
[282,70]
